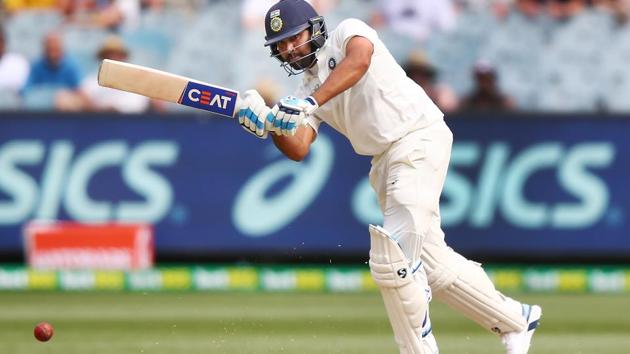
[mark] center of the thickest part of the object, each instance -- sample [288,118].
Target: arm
[350,70]
[296,147]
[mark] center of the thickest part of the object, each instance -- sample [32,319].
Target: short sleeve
[351,28]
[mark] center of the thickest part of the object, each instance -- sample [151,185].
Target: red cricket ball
[43,331]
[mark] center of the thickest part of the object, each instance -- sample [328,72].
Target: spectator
[424,74]
[161,5]
[154,5]
[54,68]
[501,8]
[620,9]
[529,8]
[92,97]
[562,11]
[498,8]
[418,19]
[14,68]
[486,95]
[530,11]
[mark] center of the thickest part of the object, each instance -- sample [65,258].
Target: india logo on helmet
[276,24]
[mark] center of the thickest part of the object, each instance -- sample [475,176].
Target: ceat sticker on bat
[210,98]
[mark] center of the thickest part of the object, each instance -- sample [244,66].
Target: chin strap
[287,66]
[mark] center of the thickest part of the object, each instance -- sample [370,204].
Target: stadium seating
[40,98]
[361,9]
[562,91]
[255,63]
[615,93]
[149,47]
[455,53]
[9,100]
[514,49]
[26,30]
[207,50]
[172,23]
[399,45]
[572,74]
[580,64]
[83,44]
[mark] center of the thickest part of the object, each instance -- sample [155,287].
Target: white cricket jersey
[384,106]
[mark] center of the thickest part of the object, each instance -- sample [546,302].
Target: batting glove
[254,116]
[290,113]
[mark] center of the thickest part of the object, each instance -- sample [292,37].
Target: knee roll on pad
[465,286]
[404,298]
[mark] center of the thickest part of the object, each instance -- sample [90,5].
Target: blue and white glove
[254,116]
[290,113]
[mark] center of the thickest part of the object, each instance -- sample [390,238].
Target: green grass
[160,323]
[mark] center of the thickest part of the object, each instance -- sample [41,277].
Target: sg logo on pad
[209,98]
[402,273]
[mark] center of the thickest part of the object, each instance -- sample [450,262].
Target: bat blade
[169,87]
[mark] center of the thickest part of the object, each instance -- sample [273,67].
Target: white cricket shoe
[519,342]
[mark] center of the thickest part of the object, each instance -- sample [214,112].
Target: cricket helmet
[286,19]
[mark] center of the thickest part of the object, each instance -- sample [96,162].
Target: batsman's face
[296,50]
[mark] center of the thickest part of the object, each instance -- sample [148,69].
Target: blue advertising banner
[552,187]
[517,187]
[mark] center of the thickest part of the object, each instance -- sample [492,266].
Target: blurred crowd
[468,55]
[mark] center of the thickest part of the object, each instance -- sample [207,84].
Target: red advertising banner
[69,245]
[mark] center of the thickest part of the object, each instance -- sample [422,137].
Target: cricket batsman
[352,83]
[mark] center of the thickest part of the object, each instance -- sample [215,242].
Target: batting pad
[465,286]
[404,298]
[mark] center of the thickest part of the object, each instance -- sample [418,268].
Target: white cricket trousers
[408,179]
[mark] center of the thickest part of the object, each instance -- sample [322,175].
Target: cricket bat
[169,87]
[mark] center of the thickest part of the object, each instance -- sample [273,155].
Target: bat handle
[237,106]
